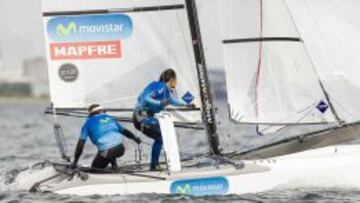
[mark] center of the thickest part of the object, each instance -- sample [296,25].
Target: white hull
[325,167]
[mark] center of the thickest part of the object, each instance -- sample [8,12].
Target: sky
[22,37]
[21,32]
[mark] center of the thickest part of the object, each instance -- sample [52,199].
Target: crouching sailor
[107,134]
[154,98]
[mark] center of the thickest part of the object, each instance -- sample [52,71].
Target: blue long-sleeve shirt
[103,130]
[150,99]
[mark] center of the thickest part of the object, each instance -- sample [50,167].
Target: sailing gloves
[137,140]
[164,102]
[78,151]
[129,134]
[73,165]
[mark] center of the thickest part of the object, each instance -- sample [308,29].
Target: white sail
[331,30]
[270,77]
[107,52]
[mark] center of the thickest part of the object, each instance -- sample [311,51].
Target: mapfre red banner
[85,50]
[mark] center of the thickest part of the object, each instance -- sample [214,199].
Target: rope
[35,186]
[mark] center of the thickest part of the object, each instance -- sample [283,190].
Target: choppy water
[294,196]
[26,137]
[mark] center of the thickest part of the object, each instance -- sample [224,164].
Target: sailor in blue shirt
[106,134]
[154,98]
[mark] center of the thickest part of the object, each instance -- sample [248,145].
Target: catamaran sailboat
[288,63]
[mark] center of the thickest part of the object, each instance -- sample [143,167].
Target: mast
[208,113]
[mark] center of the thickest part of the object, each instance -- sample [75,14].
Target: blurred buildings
[21,44]
[30,80]
[35,73]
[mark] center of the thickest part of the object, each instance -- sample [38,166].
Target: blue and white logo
[188,97]
[322,106]
[201,187]
[90,28]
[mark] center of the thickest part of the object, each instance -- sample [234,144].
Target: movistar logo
[186,189]
[90,28]
[200,187]
[65,31]
[105,121]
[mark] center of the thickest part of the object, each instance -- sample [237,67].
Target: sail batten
[264,39]
[116,10]
[270,77]
[293,63]
[108,52]
[284,124]
[84,5]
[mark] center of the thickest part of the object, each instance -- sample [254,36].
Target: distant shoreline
[24,100]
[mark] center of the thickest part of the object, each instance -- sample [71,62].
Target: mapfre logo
[90,28]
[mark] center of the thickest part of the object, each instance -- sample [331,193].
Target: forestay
[270,77]
[106,52]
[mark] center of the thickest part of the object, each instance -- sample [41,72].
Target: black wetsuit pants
[103,158]
[153,132]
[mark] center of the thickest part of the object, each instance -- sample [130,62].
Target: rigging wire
[281,133]
[333,110]
[321,85]
[350,114]
[287,128]
[259,65]
[287,125]
[59,136]
[345,110]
